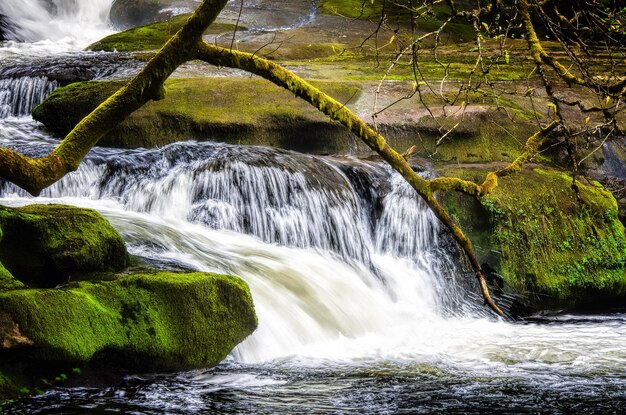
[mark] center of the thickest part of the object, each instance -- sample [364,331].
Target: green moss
[45,245]
[481,137]
[246,111]
[157,321]
[549,247]
[352,8]
[8,281]
[152,36]
[397,14]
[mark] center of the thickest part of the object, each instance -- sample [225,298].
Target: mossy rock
[47,245]
[125,14]
[234,110]
[7,280]
[552,249]
[152,36]
[149,322]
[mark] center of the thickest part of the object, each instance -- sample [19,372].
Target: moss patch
[8,281]
[481,137]
[550,248]
[156,321]
[152,36]
[46,245]
[236,110]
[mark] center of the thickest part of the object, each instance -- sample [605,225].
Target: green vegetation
[551,249]
[352,8]
[47,245]
[238,110]
[152,36]
[481,137]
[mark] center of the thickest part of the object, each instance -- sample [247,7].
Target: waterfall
[281,197]
[18,96]
[316,238]
[37,20]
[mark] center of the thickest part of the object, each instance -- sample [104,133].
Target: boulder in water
[48,245]
[550,248]
[235,110]
[142,320]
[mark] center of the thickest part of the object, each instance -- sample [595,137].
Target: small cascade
[318,239]
[19,96]
[280,197]
[37,20]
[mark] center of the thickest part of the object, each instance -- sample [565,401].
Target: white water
[41,27]
[19,96]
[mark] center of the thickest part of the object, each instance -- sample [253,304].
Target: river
[361,307]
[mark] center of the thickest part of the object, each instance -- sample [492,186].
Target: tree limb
[282,77]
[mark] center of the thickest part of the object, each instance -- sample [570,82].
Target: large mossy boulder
[550,247]
[148,321]
[65,304]
[47,245]
[234,110]
[140,322]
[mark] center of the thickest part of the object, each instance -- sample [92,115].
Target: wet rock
[126,14]
[66,69]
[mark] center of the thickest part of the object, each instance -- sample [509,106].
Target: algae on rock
[155,321]
[235,110]
[552,248]
[47,245]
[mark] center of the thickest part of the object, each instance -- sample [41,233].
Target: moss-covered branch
[282,77]
[35,175]
[533,143]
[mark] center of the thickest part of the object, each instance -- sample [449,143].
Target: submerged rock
[545,245]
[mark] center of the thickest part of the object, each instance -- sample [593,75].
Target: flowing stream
[361,306]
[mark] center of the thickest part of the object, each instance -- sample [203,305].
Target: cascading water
[18,96]
[53,20]
[314,246]
[358,304]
